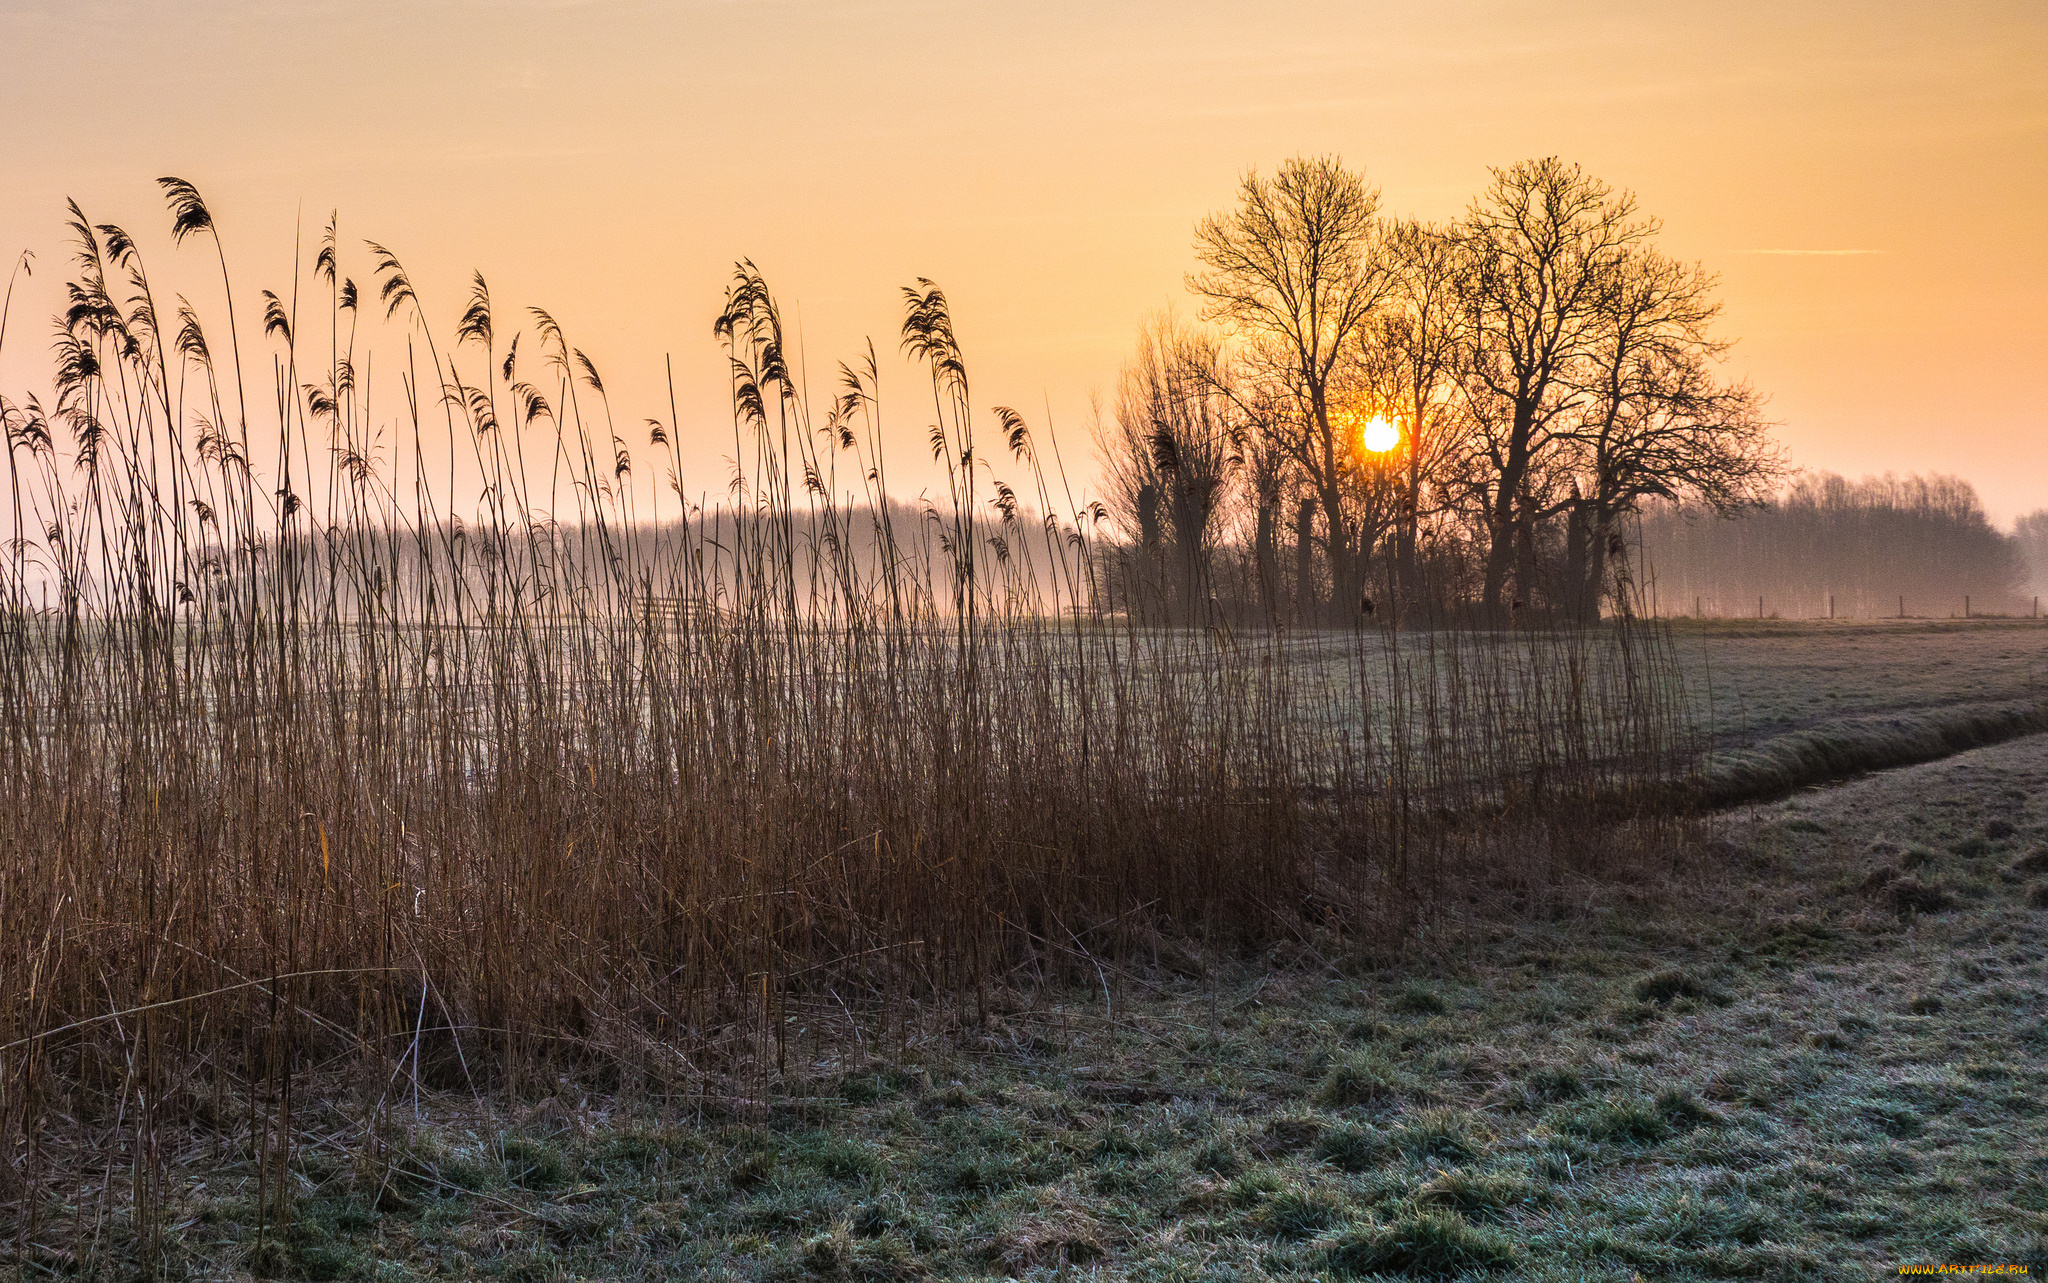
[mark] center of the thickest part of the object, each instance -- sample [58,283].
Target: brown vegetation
[297,768]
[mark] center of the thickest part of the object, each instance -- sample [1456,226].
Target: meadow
[1779,706]
[1747,680]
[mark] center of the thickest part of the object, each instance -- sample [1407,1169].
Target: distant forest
[1882,546]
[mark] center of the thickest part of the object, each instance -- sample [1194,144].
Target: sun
[1380,435]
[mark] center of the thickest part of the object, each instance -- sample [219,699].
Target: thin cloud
[1818,253]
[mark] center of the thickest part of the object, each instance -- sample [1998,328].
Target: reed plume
[301,773]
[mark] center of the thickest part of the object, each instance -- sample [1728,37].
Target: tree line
[1378,414]
[2030,532]
[1914,546]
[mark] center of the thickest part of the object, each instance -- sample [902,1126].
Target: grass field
[1754,679]
[1781,706]
[1814,1046]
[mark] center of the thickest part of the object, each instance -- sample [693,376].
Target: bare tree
[1539,357]
[1655,422]
[1541,250]
[1295,271]
[1409,353]
[1168,454]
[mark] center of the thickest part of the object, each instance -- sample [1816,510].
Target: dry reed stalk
[300,769]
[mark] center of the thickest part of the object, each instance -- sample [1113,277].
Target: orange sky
[1046,162]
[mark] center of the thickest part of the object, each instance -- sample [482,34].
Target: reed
[303,773]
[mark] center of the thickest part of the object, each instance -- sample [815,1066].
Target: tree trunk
[1305,563]
[1407,586]
[1186,588]
[1268,563]
[1504,525]
[1343,578]
[1144,581]
[1606,543]
[1581,580]
[1500,552]
[1525,560]
[1407,575]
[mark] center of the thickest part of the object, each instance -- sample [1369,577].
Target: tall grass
[298,767]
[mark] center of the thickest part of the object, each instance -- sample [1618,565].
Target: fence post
[1966,605]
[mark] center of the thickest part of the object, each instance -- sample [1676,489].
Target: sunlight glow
[1380,435]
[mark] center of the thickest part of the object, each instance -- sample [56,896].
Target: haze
[1868,179]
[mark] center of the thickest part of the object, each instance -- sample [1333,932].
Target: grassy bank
[1780,705]
[1835,750]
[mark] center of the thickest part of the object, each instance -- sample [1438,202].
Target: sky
[1867,179]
